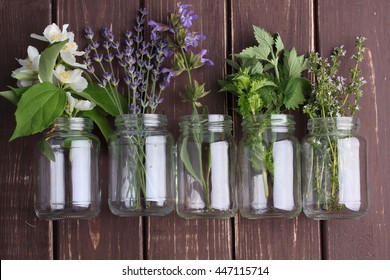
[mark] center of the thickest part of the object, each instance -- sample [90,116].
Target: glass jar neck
[276,122]
[73,124]
[213,123]
[337,124]
[135,121]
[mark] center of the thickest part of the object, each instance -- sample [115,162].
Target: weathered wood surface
[305,24]
[368,238]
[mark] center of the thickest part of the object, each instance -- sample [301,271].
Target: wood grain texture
[172,237]
[368,238]
[276,239]
[22,234]
[107,236]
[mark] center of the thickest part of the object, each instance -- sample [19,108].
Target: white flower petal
[39,37]
[71,103]
[84,105]
[32,52]
[79,85]
[70,59]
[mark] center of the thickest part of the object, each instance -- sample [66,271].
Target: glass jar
[68,186]
[269,168]
[206,167]
[334,170]
[141,166]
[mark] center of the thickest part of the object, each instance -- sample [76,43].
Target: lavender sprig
[139,60]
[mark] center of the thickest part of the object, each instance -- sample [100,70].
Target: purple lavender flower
[89,34]
[134,109]
[108,35]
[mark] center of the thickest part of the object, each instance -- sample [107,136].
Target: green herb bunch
[268,77]
[332,96]
[267,81]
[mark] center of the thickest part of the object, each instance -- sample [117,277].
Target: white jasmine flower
[69,53]
[53,33]
[71,77]
[27,75]
[80,105]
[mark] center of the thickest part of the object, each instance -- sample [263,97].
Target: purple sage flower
[205,60]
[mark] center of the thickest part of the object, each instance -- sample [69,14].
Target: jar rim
[147,119]
[210,118]
[73,123]
[342,122]
[283,121]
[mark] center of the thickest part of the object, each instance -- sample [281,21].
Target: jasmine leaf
[48,60]
[10,96]
[263,37]
[19,91]
[294,93]
[38,107]
[101,97]
[46,150]
[100,120]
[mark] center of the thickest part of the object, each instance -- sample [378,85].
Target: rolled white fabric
[349,172]
[156,172]
[57,182]
[283,194]
[80,158]
[259,200]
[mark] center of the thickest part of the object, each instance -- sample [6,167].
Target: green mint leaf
[38,107]
[101,97]
[48,60]
[100,120]
[263,37]
[294,93]
[46,150]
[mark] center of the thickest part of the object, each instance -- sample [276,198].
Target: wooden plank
[172,237]
[107,236]
[22,234]
[276,239]
[367,238]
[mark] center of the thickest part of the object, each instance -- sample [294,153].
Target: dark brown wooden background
[305,24]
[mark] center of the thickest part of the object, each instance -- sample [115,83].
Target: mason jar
[141,156]
[68,182]
[269,168]
[334,170]
[206,167]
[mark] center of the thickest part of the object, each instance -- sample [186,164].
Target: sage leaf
[48,60]
[185,158]
[37,108]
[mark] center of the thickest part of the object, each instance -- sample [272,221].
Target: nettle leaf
[48,60]
[257,68]
[263,37]
[278,43]
[233,64]
[247,53]
[294,64]
[38,107]
[101,97]
[294,93]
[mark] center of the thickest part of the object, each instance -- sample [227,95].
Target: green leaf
[46,150]
[38,107]
[185,158]
[294,93]
[20,90]
[10,96]
[233,64]
[100,120]
[294,64]
[101,97]
[257,68]
[263,37]
[26,76]
[279,43]
[48,60]
[247,53]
